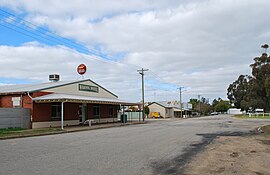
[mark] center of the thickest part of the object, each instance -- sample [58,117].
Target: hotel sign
[84,87]
[81,69]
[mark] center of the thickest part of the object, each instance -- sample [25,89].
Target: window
[56,111]
[96,110]
[16,102]
[110,111]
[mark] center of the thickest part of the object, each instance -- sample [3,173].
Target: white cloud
[37,62]
[203,45]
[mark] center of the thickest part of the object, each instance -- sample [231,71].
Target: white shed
[234,111]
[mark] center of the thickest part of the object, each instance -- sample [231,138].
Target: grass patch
[252,117]
[10,130]
[19,132]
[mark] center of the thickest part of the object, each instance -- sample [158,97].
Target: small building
[234,111]
[63,102]
[259,110]
[169,109]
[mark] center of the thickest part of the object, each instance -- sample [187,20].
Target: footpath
[19,133]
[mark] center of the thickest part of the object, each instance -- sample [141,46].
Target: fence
[14,118]
[258,114]
[132,116]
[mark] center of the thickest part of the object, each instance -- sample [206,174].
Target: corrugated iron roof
[31,87]
[57,97]
[170,104]
[41,86]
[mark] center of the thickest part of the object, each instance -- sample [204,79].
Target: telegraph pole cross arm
[141,71]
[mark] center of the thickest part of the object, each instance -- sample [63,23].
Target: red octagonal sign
[81,69]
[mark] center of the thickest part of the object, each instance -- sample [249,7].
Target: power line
[43,36]
[37,28]
[59,39]
[27,32]
[40,37]
[37,37]
[32,35]
[70,44]
[161,79]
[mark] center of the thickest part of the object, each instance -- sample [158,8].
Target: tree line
[204,107]
[250,92]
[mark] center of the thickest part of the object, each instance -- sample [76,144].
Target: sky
[200,45]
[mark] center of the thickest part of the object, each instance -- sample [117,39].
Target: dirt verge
[241,155]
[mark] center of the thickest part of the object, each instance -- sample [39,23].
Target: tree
[222,106]
[253,91]
[205,108]
[258,97]
[201,106]
[267,87]
[215,102]
[204,100]
[194,103]
[238,90]
[265,46]
[146,111]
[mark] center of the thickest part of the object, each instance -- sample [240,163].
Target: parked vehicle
[214,113]
[155,115]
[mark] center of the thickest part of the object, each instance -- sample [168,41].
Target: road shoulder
[249,154]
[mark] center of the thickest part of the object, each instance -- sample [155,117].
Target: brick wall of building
[43,111]
[90,111]
[71,111]
[104,111]
[6,101]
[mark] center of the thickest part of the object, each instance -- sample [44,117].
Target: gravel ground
[241,155]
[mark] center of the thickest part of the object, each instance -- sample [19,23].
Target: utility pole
[141,71]
[180,100]
[199,96]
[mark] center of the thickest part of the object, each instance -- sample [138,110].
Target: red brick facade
[42,112]
[104,111]
[6,100]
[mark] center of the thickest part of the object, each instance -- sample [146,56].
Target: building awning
[179,110]
[57,97]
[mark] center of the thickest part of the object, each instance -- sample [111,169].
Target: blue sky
[183,43]
[17,32]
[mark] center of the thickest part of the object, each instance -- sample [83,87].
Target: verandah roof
[57,97]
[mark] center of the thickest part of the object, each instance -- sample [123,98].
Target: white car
[214,113]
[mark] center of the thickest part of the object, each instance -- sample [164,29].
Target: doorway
[82,112]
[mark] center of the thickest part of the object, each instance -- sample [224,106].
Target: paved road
[160,147]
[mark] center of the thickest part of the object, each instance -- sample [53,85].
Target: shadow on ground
[177,164]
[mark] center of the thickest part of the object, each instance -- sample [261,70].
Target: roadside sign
[81,69]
